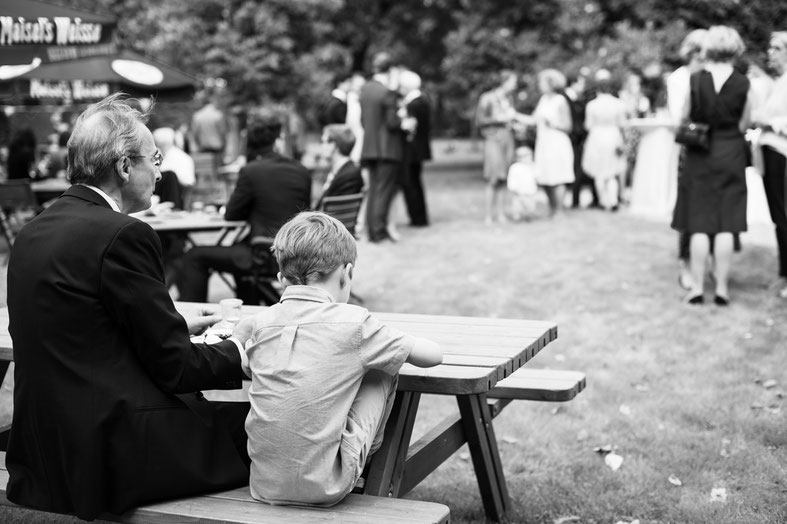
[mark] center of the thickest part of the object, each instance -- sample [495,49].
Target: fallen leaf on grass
[635,521]
[675,481]
[567,520]
[464,456]
[606,448]
[582,435]
[557,410]
[770,383]
[625,410]
[718,495]
[725,442]
[509,440]
[614,461]
[769,322]
[747,336]
[560,358]
[642,388]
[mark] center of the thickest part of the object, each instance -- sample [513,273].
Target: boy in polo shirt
[323,372]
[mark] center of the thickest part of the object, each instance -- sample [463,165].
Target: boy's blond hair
[311,246]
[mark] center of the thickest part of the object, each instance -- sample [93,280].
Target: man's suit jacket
[105,412]
[382,134]
[346,181]
[335,112]
[271,189]
[419,148]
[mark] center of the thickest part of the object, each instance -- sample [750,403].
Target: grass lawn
[676,390]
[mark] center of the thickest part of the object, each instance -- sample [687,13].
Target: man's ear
[123,169]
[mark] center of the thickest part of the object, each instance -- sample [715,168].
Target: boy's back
[308,358]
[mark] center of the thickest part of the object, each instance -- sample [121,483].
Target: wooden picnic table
[478,353]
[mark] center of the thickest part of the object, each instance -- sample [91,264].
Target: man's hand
[199,323]
[244,329]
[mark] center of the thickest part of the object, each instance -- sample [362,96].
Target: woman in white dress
[603,158]
[554,153]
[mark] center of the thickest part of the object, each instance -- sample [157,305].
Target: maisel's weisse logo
[64,90]
[60,30]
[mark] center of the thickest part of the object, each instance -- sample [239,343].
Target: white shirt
[180,163]
[112,203]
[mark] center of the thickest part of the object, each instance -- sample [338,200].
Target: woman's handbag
[693,134]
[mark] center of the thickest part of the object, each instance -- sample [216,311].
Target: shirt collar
[341,95]
[311,293]
[106,197]
[412,95]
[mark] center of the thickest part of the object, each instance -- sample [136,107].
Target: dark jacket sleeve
[242,198]
[132,290]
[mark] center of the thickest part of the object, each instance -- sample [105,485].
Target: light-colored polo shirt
[307,357]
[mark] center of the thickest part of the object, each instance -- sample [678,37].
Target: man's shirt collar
[106,197]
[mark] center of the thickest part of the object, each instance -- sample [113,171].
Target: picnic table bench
[237,506]
[482,368]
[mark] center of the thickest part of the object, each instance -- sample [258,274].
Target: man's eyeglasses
[156,157]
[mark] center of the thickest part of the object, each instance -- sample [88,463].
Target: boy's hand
[244,329]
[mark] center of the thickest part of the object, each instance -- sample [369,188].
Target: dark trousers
[198,263]
[232,416]
[383,182]
[580,178]
[413,189]
[774,181]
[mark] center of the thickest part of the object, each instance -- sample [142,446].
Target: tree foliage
[292,50]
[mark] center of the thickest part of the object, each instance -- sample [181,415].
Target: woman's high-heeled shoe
[721,301]
[694,300]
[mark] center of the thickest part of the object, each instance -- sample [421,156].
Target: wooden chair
[343,208]
[209,187]
[264,269]
[18,205]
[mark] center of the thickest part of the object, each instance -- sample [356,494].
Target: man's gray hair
[104,133]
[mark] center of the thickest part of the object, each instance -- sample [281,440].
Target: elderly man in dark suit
[344,178]
[107,409]
[382,144]
[417,147]
[271,189]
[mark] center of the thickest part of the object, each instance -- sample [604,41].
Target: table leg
[387,466]
[486,457]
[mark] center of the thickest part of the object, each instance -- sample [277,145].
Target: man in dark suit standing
[271,189]
[578,95]
[344,178]
[417,146]
[335,109]
[382,145]
[107,409]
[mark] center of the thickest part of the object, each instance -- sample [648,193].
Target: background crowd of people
[591,130]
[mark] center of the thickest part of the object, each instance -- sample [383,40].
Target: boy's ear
[282,280]
[348,271]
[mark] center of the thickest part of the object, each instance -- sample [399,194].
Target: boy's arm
[425,353]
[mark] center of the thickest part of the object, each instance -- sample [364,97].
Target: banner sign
[54,38]
[75,90]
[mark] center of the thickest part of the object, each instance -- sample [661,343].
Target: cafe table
[190,222]
[477,353]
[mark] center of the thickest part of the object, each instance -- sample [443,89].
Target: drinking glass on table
[230,311]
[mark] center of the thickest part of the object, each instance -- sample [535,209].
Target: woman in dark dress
[712,203]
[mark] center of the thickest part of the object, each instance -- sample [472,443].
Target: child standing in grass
[324,372]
